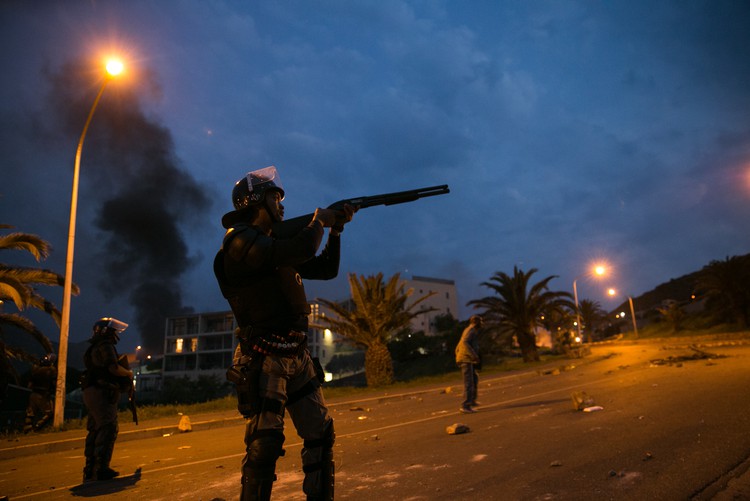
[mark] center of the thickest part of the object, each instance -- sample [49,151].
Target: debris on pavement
[456,429]
[581,400]
[593,408]
[678,360]
[185,425]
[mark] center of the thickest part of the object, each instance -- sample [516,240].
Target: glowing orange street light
[114,67]
[599,270]
[613,292]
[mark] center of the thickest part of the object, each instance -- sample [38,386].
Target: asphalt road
[678,430]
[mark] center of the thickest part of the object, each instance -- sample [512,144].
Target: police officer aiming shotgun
[260,268]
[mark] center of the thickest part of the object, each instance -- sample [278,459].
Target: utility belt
[255,345]
[271,342]
[88,378]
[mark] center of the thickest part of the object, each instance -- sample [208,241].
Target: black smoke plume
[144,197]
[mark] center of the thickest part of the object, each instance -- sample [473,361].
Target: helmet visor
[116,325]
[263,179]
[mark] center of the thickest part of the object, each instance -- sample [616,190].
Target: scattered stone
[554,464]
[612,473]
[593,408]
[677,361]
[581,400]
[185,425]
[456,429]
[648,456]
[355,409]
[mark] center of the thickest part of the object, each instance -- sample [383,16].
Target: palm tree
[674,315]
[376,312]
[519,309]
[727,286]
[559,322]
[18,285]
[591,314]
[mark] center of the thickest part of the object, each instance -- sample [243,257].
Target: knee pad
[326,441]
[264,449]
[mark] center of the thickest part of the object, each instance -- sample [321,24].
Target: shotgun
[290,227]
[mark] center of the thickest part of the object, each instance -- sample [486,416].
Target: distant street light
[613,292]
[599,270]
[114,68]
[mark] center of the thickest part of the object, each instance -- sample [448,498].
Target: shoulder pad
[246,244]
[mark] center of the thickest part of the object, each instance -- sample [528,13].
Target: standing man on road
[261,278]
[467,357]
[101,384]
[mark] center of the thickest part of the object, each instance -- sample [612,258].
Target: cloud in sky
[567,131]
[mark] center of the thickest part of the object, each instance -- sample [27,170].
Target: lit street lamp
[599,270]
[612,292]
[113,68]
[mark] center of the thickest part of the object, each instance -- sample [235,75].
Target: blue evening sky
[568,132]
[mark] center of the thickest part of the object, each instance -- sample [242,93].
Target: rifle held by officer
[126,384]
[290,227]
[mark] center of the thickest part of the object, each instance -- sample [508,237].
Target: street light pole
[632,315]
[62,357]
[578,310]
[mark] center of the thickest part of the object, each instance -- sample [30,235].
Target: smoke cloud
[144,198]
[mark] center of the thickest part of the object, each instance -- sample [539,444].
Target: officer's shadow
[103,487]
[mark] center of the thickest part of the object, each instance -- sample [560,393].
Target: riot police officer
[42,384]
[261,277]
[102,382]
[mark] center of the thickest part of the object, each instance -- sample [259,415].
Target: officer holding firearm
[261,278]
[101,383]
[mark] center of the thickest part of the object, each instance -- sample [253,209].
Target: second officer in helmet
[102,382]
[261,278]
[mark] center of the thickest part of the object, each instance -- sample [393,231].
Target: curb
[124,436]
[78,442]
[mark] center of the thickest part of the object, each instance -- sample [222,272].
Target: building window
[219,324]
[178,343]
[209,361]
[179,363]
[210,343]
[178,326]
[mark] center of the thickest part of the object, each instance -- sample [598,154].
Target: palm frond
[28,327]
[36,246]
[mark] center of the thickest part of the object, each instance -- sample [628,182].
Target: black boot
[256,489]
[88,474]
[106,473]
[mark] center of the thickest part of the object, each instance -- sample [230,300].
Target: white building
[203,344]
[445,301]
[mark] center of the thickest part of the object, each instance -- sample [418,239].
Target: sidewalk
[54,441]
[39,443]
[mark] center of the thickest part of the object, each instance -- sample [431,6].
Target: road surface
[669,425]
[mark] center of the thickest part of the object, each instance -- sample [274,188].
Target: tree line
[376,318]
